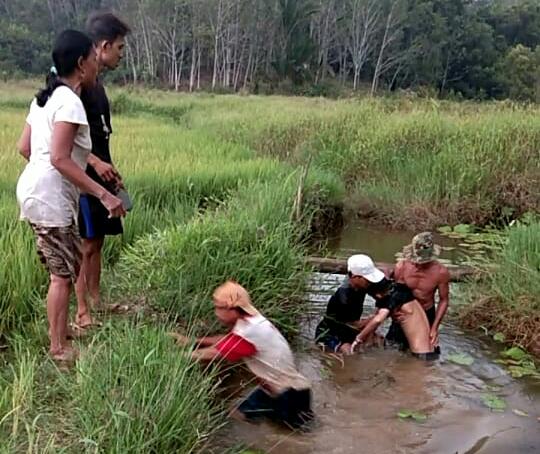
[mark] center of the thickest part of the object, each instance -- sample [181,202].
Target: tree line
[469,48]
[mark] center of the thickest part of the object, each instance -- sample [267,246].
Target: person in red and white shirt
[283,393]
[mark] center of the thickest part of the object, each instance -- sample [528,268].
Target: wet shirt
[397,296]
[269,357]
[98,112]
[346,304]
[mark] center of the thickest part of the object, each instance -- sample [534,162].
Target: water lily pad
[493,388]
[463,229]
[520,371]
[494,402]
[444,229]
[461,358]
[499,337]
[515,353]
[520,412]
[417,416]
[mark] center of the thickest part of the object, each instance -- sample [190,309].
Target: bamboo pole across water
[458,273]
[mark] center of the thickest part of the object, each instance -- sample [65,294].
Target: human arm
[23,144]
[206,341]
[206,354]
[360,324]
[442,307]
[107,172]
[371,326]
[63,137]
[230,347]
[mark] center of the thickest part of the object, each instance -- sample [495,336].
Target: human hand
[434,337]
[357,342]
[180,339]
[113,204]
[106,171]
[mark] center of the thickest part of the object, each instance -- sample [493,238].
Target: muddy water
[357,400]
[382,245]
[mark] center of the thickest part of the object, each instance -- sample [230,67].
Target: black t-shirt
[346,304]
[98,112]
[397,296]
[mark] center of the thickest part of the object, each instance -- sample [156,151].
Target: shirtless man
[397,301]
[424,275]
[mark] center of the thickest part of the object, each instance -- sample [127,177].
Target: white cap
[362,265]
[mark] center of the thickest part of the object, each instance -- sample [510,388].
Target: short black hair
[104,25]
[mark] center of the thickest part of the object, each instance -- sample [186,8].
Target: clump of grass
[134,391]
[511,289]
[176,270]
[23,278]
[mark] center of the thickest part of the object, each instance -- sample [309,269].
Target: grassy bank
[507,300]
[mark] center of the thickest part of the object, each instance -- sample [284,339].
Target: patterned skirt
[59,249]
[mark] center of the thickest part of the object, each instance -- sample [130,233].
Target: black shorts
[94,221]
[292,407]
[430,356]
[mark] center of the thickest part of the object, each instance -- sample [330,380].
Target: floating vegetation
[411,414]
[494,402]
[462,359]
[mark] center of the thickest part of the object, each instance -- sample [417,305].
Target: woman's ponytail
[52,83]
[69,47]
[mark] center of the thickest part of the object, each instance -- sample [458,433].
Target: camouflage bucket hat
[422,249]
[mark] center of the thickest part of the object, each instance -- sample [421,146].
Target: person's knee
[60,281]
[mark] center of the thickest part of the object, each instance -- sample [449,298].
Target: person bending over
[283,394]
[397,301]
[342,321]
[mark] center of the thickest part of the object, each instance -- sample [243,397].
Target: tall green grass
[507,300]
[133,390]
[173,174]
[214,180]
[516,280]
[250,239]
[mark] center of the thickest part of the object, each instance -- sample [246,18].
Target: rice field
[215,182]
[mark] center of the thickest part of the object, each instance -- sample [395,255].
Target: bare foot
[84,320]
[65,355]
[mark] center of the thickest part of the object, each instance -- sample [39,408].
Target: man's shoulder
[341,295]
[94,94]
[441,270]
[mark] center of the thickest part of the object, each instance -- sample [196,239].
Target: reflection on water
[382,245]
[357,401]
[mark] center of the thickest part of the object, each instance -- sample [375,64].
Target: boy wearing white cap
[283,394]
[342,321]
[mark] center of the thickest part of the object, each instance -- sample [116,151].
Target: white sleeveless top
[273,363]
